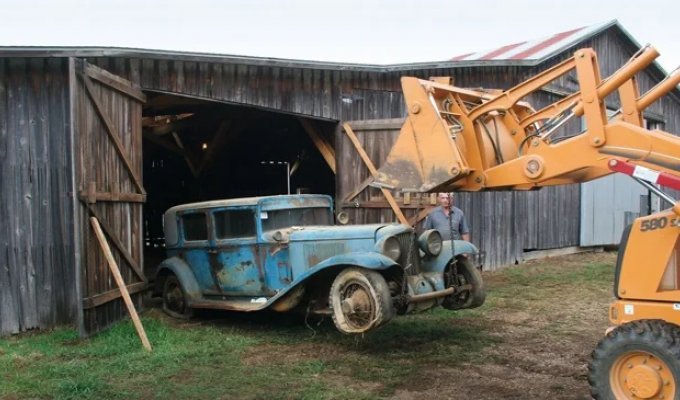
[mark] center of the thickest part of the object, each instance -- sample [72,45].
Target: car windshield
[278,219]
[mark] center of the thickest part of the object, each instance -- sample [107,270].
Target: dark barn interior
[196,150]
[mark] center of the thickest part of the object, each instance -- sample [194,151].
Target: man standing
[439,219]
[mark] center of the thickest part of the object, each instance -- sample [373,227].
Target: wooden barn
[123,134]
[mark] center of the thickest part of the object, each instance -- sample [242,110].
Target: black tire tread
[657,334]
[188,312]
[477,295]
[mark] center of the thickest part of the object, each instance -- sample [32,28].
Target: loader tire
[637,360]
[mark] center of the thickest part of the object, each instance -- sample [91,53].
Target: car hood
[304,233]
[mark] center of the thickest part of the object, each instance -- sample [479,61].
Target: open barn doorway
[197,150]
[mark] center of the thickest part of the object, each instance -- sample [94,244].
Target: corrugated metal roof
[538,49]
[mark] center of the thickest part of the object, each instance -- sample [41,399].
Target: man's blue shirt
[440,221]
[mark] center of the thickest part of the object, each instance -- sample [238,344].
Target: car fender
[437,264]
[368,260]
[182,271]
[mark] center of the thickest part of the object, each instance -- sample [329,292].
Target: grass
[273,356]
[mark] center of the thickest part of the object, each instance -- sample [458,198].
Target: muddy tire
[175,299]
[360,300]
[476,296]
[637,360]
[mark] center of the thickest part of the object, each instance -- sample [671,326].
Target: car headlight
[391,248]
[431,242]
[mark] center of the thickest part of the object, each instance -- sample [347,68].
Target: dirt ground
[544,348]
[545,318]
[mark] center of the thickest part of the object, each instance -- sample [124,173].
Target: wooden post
[121,283]
[374,173]
[326,150]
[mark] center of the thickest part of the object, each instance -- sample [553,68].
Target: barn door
[108,172]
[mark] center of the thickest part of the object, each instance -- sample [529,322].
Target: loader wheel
[360,300]
[471,299]
[175,300]
[637,360]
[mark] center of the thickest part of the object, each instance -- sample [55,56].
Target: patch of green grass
[263,356]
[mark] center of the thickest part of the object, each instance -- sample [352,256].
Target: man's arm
[464,229]
[428,223]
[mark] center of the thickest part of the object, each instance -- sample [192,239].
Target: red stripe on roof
[460,57]
[540,46]
[500,51]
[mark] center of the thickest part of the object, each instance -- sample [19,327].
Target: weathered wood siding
[37,267]
[38,260]
[549,218]
[100,167]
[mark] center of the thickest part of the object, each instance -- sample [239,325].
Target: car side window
[195,227]
[232,224]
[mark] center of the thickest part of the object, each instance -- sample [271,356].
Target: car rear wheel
[637,360]
[175,300]
[360,300]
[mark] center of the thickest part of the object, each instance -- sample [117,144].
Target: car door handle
[213,251]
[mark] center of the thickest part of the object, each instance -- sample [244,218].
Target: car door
[235,255]
[196,248]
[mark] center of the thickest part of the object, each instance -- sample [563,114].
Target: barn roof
[539,50]
[529,53]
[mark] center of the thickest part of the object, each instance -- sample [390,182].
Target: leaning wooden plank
[420,215]
[326,150]
[97,300]
[119,245]
[374,172]
[359,189]
[121,284]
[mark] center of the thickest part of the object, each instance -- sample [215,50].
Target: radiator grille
[404,244]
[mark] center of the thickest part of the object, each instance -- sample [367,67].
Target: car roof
[244,201]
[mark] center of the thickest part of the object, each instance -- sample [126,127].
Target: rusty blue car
[285,253]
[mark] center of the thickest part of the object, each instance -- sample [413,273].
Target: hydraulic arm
[458,139]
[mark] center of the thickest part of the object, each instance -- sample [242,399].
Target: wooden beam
[112,132]
[377,124]
[420,215]
[115,82]
[119,245]
[162,142]
[177,148]
[190,163]
[121,283]
[390,199]
[359,189]
[170,127]
[222,136]
[326,150]
[93,197]
[103,298]
[379,204]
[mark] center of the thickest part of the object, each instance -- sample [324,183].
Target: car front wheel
[360,300]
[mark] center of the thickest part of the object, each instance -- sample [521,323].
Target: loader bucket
[425,157]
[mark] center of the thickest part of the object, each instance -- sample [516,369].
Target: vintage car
[283,252]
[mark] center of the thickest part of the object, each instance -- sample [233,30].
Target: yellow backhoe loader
[473,140]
